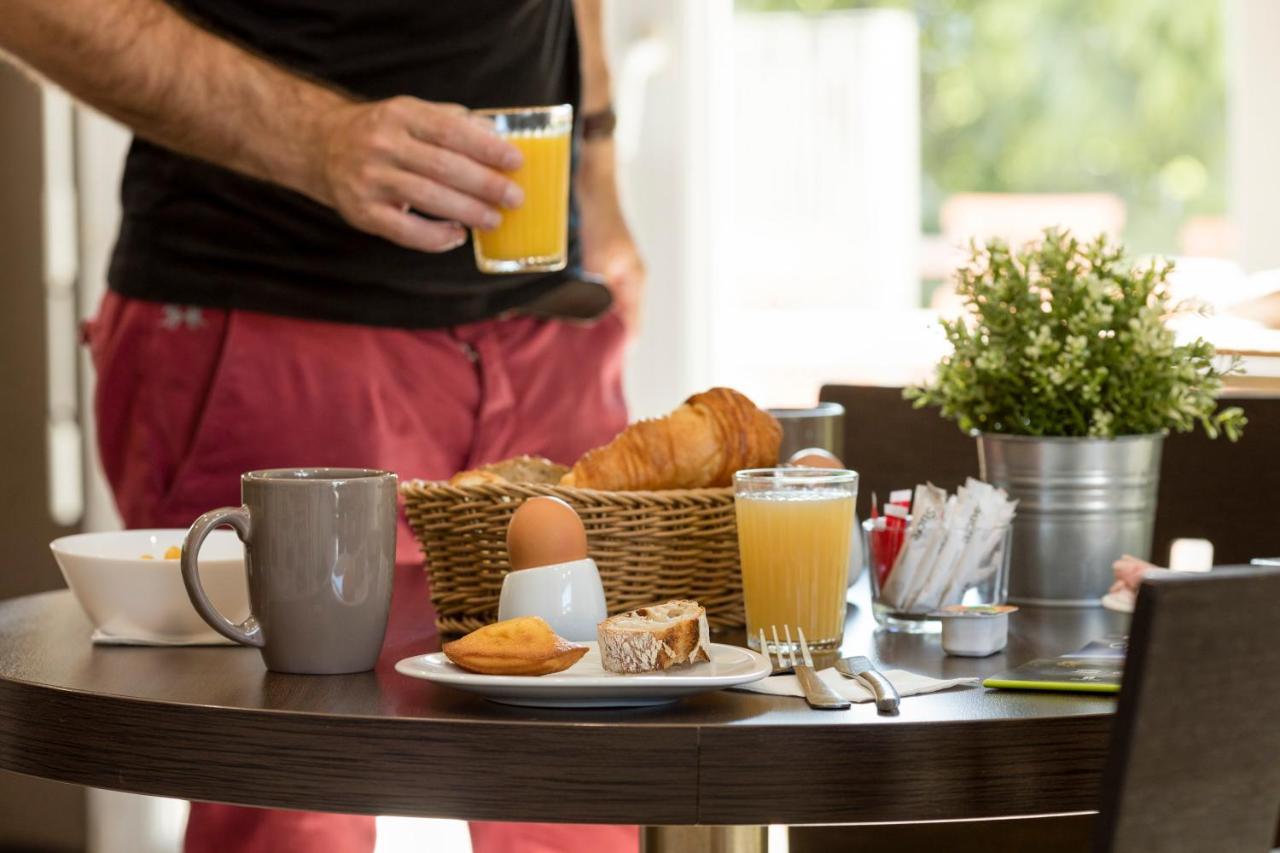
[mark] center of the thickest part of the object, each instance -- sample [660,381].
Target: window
[869,141]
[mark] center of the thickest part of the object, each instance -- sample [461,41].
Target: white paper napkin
[102,638]
[906,683]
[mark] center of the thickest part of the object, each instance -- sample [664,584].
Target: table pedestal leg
[704,839]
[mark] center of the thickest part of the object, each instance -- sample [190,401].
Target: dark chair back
[893,446]
[1222,491]
[1217,490]
[1194,763]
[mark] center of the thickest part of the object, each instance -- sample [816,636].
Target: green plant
[1064,338]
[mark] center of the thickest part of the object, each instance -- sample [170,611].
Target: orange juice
[534,236]
[795,561]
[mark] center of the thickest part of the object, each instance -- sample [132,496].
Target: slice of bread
[521,469]
[477,477]
[654,638]
[529,469]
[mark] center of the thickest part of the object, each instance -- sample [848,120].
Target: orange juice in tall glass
[795,529]
[533,237]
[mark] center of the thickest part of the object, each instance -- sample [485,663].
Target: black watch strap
[599,124]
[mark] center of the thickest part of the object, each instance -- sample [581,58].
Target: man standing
[290,285]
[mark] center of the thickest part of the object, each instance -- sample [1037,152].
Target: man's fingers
[462,173]
[412,231]
[460,132]
[388,158]
[438,200]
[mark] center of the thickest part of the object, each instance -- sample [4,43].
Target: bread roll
[654,638]
[521,469]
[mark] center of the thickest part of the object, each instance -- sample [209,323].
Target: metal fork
[816,691]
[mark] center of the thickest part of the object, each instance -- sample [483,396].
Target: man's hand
[608,250]
[382,164]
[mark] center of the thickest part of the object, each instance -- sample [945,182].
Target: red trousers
[189,398]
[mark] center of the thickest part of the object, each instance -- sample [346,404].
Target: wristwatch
[599,124]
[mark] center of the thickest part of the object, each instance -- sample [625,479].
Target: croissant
[699,445]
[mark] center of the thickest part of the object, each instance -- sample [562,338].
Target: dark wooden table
[213,724]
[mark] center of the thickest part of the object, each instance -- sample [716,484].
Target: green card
[1097,668]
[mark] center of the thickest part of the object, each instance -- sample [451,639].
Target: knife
[860,669]
[817,692]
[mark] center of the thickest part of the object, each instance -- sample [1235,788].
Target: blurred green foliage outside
[1119,96]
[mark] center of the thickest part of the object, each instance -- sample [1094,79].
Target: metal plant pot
[1082,503]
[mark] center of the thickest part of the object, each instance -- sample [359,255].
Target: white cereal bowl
[128,597]
[569,596]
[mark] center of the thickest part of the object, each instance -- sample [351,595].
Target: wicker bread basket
[649,546]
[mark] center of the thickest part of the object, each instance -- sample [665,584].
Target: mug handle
[248,632]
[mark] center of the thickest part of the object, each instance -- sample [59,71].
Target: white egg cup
[569,596]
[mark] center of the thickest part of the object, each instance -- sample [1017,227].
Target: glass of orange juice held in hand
[533,237]
[795,528]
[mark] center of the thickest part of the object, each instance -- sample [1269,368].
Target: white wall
[100,148]
[1253,131]
[818,227]
[666,59]
[824,142]
[770,163]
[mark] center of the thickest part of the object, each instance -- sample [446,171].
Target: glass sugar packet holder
[912,580]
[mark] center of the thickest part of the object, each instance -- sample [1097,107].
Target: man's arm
[608,248]
[185,88]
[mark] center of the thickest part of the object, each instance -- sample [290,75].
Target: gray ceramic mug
[320,546]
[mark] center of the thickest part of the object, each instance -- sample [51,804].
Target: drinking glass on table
[533,237]
[821,425]
[795,528]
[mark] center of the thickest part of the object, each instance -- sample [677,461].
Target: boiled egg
[545,531]
[814,457]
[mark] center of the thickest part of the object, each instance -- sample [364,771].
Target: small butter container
[974,631]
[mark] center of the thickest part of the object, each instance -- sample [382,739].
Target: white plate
[586,684]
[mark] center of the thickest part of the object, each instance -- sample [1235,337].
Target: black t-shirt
[195,233]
